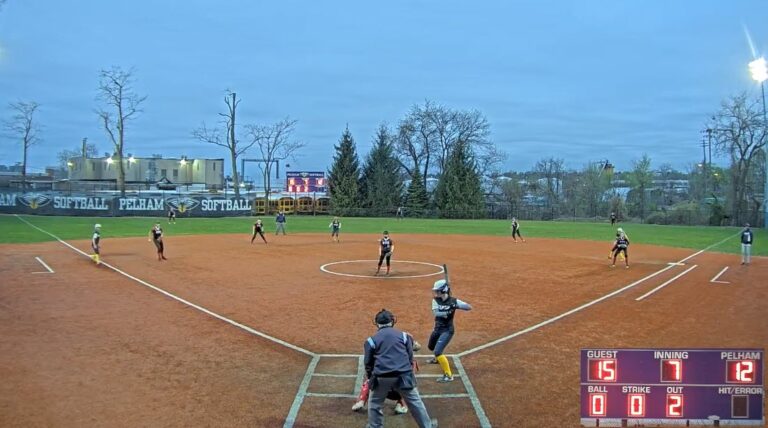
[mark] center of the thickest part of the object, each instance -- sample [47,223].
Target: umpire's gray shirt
[388,353]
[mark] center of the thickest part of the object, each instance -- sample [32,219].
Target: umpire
[389,366]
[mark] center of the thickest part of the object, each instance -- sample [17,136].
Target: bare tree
[121,104]
[429,132]
[739,131]
[275,144]
[87,150]
[641,179]
[552,171]
[22,125]
[416,140]
[226,136]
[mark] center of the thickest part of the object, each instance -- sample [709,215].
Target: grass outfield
[13,230]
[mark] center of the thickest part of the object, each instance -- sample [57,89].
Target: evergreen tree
[459,192]
[380,185]
[417,200]
[344,175]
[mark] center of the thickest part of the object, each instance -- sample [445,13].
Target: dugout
[305,205]
[286,204]
[323,205]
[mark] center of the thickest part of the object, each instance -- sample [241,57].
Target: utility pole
[704,165]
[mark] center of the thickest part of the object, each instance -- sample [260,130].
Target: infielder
[620,247]
[156,236]
[444,307]
[516,230]
[386,248]
[258,229]
[95,243]
[335,226]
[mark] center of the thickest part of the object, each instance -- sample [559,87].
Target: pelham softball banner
[52,203]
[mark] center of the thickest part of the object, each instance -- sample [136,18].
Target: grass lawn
[13,230]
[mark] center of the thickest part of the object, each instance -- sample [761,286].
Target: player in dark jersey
[444,307]
[258,228]
[620,247]
[516,230]
[96,243]
[386,248]
[335,226]
[619,232]
[171,215]
[156,236]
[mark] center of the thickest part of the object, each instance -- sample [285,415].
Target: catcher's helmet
[441,286]
[384,318]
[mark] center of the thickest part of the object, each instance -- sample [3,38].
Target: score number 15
[603,370]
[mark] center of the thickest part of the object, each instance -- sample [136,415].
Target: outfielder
[171,215]
[386,248]
[95,243]
[746,244]
[444,307]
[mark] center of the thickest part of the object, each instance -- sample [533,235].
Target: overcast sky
[579,80]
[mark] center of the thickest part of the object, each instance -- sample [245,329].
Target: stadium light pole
[759,70]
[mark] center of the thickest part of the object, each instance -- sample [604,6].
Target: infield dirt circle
[88,346]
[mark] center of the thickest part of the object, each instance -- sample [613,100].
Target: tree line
[440,161]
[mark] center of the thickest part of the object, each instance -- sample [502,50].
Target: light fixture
[759,70]
[109,160]
[131,159]
[70,164]
[183,161]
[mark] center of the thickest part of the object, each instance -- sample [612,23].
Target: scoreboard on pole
[628,387]
[305,181]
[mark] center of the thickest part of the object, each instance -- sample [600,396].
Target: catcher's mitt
[416,346]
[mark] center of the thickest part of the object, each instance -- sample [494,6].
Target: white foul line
[44,265]
[473,398]
[666,283]
[179,299]
[718,276]
[586,305]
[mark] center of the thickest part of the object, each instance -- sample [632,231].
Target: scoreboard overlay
[631,387]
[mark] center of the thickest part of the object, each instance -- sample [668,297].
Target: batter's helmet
[441,286]
[384,319]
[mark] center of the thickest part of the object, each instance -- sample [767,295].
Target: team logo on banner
[34,200]
[182,204]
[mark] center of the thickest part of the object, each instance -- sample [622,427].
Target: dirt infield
[87,346]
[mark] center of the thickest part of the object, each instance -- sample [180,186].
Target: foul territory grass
[13,230]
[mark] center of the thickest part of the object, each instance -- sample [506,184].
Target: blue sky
[578,80]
